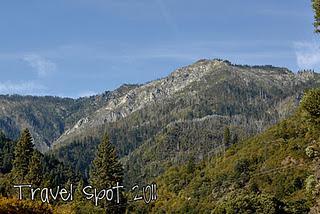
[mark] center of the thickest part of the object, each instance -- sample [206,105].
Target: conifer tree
[78,193]
[226,137]
[34,175]
[310,103]
[22,155]
[316,9]
[191,165]
[235,138]
[2,136]
[6,153]
[106,171]
[80,204]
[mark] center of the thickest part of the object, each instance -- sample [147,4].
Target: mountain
[163,122]
[193,82]
[183,116]
[202,134]
[276,171]
[47,117]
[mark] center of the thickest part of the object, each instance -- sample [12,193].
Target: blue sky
[80,47]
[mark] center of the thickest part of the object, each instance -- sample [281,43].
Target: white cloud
[41,65]
[23,88]
[307,54]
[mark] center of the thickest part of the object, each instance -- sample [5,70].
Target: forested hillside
[31,182]
[179,117]
[276,171]
[193,124]
[47,117]
[184,115]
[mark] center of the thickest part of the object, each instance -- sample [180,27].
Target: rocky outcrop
[138,98]
[124,104]
[54,120]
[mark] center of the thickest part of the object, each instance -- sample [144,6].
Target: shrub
[311,104]
[15,206]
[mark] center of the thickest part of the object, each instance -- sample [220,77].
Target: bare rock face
[202,73]
[54,120]
[138,98]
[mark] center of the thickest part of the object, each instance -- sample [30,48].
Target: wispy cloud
[23,88]
[41,65]
[307,54]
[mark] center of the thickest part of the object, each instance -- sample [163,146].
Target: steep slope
[181,95]
[192,84]
[44,116]
[182,116]
[142,97]
[48,117]
[274,172]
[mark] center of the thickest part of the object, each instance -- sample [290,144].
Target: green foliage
[226,136]
[312,152]
[22,155]
[297,206]
[15,206]
[106,171]
[78,155]
[273,172]
[190,122]
[34,175]
[311,104]
[30,166]
[6,154]
[56,173]
[80,204]
[316,9]
[249,203]
[47,117]
[311,183]
[241,167]
[191,165]
[180,139]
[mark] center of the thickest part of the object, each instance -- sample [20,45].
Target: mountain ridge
[64,119]
[185,75]
[246,99]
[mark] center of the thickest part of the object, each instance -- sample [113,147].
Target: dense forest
[22,164]
[198,135]
[211,137]
[48,117]
[188,124]
[200,123]
[276,171]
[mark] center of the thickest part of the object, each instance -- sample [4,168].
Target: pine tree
[6,153]
[22,155]
[2,136]
[191,165]
[226,137]
[316,9]
[310,103]
[34,175]
[80,204]
[235,138]
[78,193]
[106,171]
